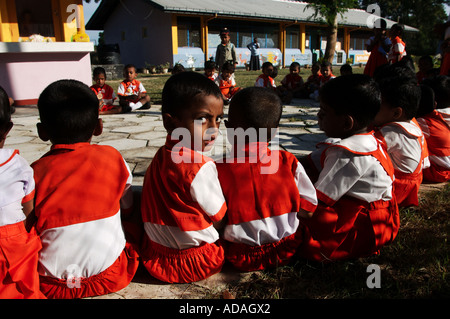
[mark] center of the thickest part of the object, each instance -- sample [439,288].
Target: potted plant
[150,67]
[164,67]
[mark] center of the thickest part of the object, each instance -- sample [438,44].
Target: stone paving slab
[138,136]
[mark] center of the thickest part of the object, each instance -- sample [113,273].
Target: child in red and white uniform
[226,82]
[326,74]
[19,248]
[292,84]
[262,229]
[82,192]
[435,125]
[397,128]
[357,212]
[210,70]
[104,92]
[131,92]
[266,79]
[182,200]
[398,47]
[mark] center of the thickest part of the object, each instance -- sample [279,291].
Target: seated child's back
[19,248]
[264,189]
[81,192]
[400,132]
[357,213]
[435,127]
[181,196]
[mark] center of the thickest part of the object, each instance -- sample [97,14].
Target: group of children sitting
[70,225]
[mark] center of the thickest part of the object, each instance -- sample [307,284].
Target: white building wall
[142,32]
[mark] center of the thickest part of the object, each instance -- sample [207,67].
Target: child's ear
[98,128]
[349,123]
[42,132]
[397,113]
[169,122]
[5,132]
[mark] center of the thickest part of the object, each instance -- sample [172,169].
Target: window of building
[292,37]
[189,32]
[35,17]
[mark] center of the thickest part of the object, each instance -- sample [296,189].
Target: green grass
[415,265]
[154,83]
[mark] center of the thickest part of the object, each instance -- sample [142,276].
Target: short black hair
[326,63]
[210,65]
[180,90]
[266,65]
[259,107]
[441,87]
[98,70]
[399,88]
[399,27]
[5,110]
[294,65]
[228,66]
[68,109]
[356,95]
[346,68]
[177,68]
[128,66]
[427,100]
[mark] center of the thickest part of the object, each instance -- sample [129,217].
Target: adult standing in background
[254,55]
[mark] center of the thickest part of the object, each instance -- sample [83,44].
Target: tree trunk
[331,41]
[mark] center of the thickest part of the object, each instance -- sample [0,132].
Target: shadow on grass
[414,266]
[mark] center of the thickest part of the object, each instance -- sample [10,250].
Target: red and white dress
[397,51]
[78,192]
[106,93]
[264,190]
[357,212]
[19,249]
[407,148]
[131,88]
[181,199]
[265,81]
[436,129]
[227,87]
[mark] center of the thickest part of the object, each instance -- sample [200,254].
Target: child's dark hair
[398,27]
[228,66]
[210,65]
[5,111]
[326,63]
[399,88]
[346,68]
[426,103]
[128,66]
[98,70]
[180,90]
[266,65]
[68,109]
[356,95]
[294,65]
[441,87]
[177,68]
[260,107]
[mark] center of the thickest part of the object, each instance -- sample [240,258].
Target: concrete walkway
[138,136]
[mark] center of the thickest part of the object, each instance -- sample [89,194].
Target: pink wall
[25,74]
